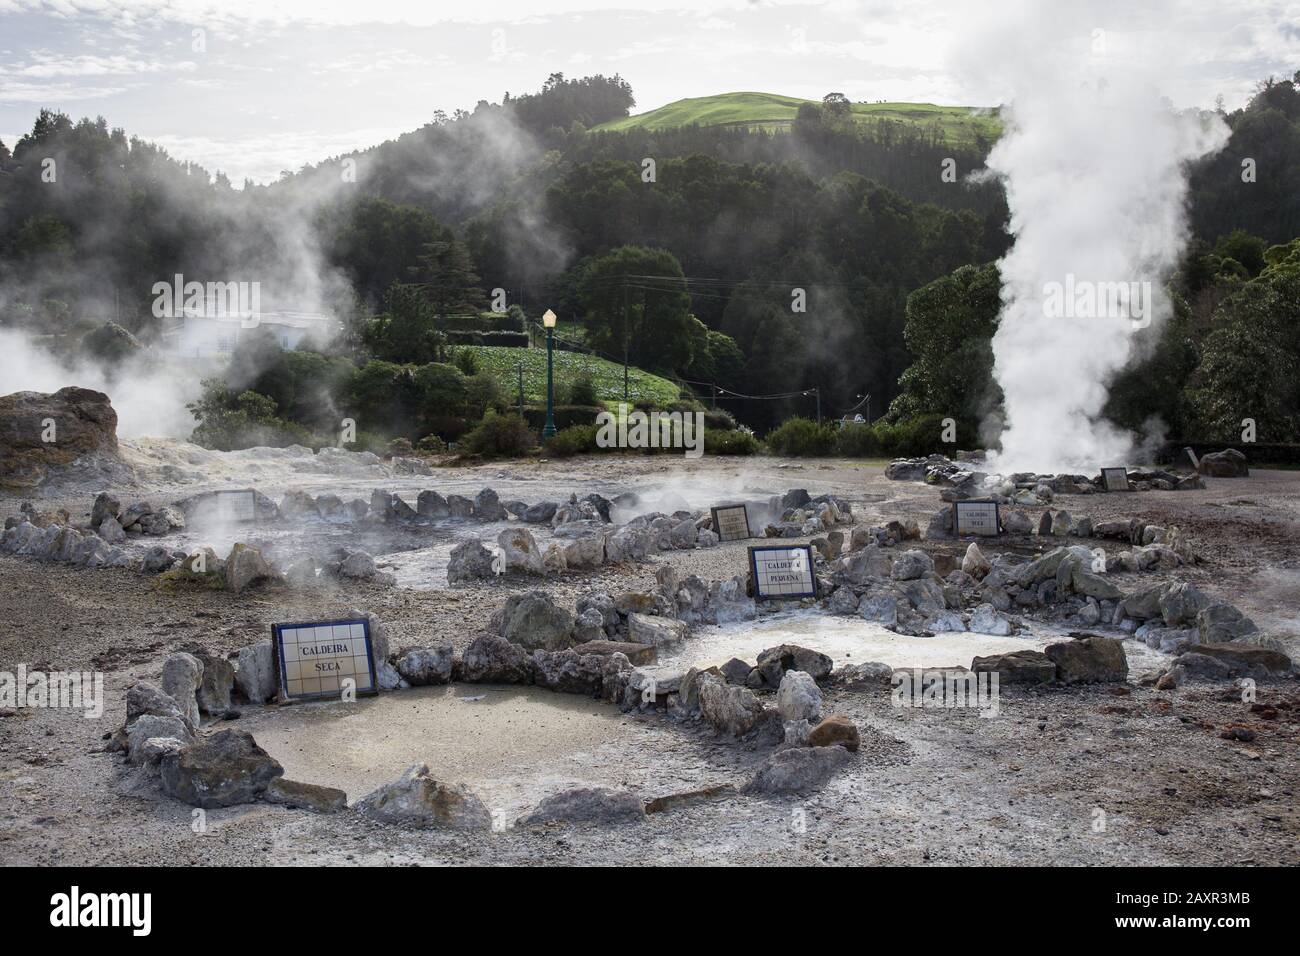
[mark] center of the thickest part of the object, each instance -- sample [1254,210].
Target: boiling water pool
[851,640]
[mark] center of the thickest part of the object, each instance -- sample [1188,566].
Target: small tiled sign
[731,523]
[315,659]
[783,572]
[976,517]
[1115,479]
[235,505]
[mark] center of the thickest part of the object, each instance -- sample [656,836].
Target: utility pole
[625,337]
[521,389]
[818,392]
[714,404]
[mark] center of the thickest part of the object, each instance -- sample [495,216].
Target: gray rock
[494,660]
[469,561]
[430,504]
[588,805]
[245,567]
[182,675]
[798,770]
[532,620]
[986,619]
[1228,463]
[945,622]
[460,506]
[422,666]
[1016,522]
[157,559]
[224,770]
[775,661]
[105,506]
[305,796]
[911,565]
[358,566]
[1181,604]
[880,609]
[735,671]
[729,709]
[540,513]
[585,552]
[216,684]
[487,506]
[417,800]
[870,672]
[521,551]
[149,727]
[1088,660]
[655,630]
[799,697]
[110,530]
[1220,623]
[842,601]
[568,672]
[1017,667]
[145,698]
[255,673]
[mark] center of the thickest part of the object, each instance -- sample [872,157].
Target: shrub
[500,436]
[857,441]
[736,441]
[582,391]
[431,445]
[401,448]
[801,438]
[228,421]
[466,361]
[719,419]
[574,440]
[922,435]
[565,416]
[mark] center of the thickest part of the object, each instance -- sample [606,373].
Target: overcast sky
[252,87]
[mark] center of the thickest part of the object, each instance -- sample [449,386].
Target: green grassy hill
[608,376]
[773,111]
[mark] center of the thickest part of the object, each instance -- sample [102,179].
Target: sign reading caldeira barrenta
[324,659]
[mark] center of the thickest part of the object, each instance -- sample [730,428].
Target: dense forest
[833,255]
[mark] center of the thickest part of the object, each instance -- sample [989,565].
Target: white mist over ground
[148,399]
[1092,160]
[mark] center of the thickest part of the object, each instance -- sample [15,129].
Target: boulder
[588,805]
[869,673]
[1088,660]
[217,682]
[305,796]
[422,666]
[986,619]
[532,620]
[1247,658]
[637,654]
[540,513]
[417,800]
[1181,604]
[736,671]
[105,506]
[798,770]
[85,427]
[182,675]
[655,630]
[147,727]
[835,730]
[223,770]
[974,563]
[110,530]
[911,565]
[521,551]
[775,661]
[568,672]
[730,709]
[430,504]
[487,506]
[585,552]
[1220,623]
[145,698]
[494,660]
[358,566]
[881,609]
[460,506]
[1017,667]
[1228,463]
[255,673]
[798,697]
[245,567]
[469,561]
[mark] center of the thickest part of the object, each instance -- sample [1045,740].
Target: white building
[203,336]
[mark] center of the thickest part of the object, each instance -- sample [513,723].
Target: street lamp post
[548,320]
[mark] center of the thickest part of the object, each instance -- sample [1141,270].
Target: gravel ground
[1033,785]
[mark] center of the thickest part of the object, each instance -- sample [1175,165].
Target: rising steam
[1093,160]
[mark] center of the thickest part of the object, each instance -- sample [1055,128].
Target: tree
[407,330]
[445,276]
[635,304]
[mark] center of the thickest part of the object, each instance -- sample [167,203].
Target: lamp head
[548,319]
